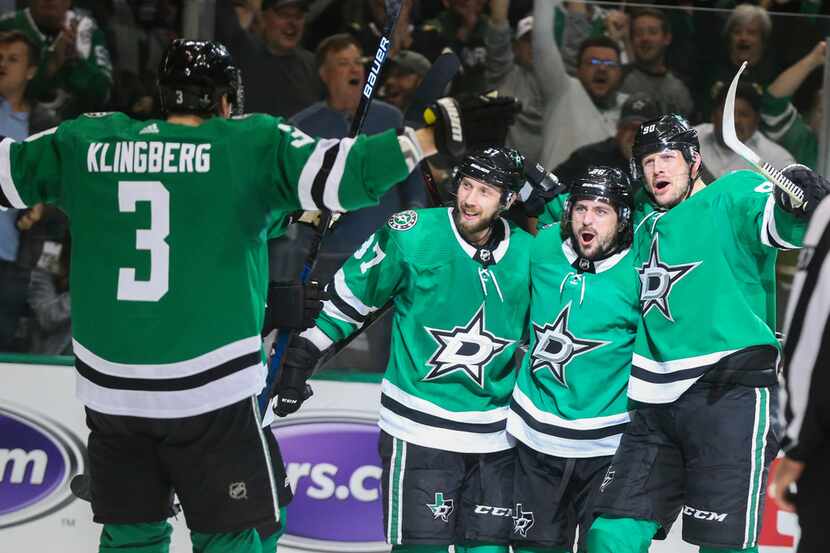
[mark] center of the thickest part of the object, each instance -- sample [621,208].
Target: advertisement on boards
[329,447]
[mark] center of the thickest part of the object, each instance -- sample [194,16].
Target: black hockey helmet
[193,76]
[667,132]
[498,166]
[609,185]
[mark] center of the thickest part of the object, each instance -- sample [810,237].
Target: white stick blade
[730,137]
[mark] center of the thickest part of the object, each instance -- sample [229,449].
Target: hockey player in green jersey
[700,441]
[569,407]
[169,276]
[458,278]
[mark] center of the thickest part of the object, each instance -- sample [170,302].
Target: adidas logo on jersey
[150,129]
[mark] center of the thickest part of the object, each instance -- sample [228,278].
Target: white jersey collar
[599,266]
[471,250]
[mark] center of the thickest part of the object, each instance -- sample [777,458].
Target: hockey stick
[434,85]
[393,10]
[730,137]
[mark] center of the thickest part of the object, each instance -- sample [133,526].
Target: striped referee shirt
[807,350]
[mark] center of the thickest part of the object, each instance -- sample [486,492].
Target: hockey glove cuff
[814,186]
[539,188]
[290,388]
[292,305]
[468,122]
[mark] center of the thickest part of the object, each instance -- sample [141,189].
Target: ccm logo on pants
[703,515]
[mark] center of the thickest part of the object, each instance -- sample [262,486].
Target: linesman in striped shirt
[807,390]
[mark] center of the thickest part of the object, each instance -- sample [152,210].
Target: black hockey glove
[290,388]
[814,186]
[539,188]
[468,122]
[292,305]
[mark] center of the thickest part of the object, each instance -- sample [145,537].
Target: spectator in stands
[74,74]
[779,118]
[718,159]
[510,71]
[582,110]
[138,33]
[404,74]
[573,23]
[369,28]
[615,151]
[280,77]
[341,69]
[650,38]
[19,117]
[461,26]
[48,297]
[746,33]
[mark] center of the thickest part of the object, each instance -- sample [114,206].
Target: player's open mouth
[354,81]
[586,237]
[469,215]
[661,185]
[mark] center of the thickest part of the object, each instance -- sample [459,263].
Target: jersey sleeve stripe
[341,288]
[9,196]
[318,187]
[331,194]
[309,173]
[347,309]
[330,308]
[769,232]
[317,337]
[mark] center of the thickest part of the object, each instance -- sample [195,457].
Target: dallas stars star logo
[657,279]
[468,349]
[556,346]
[522,520]
[442,508]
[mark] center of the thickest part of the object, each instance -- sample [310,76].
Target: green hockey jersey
[570,396]
[459,314]
[707,273]
[169,261]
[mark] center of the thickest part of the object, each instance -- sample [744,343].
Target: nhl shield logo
[404,220]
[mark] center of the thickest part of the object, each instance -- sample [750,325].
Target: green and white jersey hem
[664,381]
[552,435]
[190,387]
[421,422]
